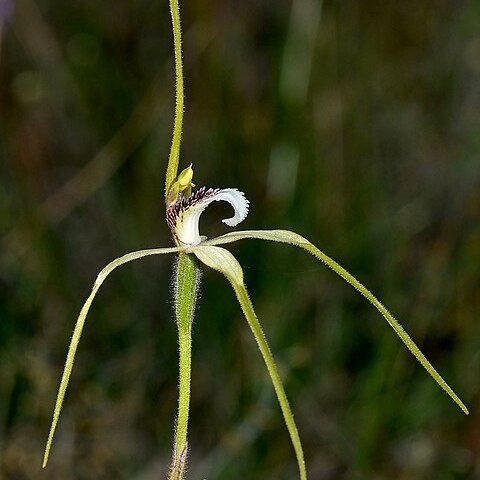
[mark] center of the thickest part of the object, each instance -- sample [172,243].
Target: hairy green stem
[173,159]
[187,281]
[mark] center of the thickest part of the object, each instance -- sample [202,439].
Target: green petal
[285,236]
[223,261]
[78,332]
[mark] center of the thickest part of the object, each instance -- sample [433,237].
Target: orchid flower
[183,212]
[184,207]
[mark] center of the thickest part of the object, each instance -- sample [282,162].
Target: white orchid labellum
[184,208]
[184,215]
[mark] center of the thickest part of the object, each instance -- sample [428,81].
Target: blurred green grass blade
[223,261]
[78,332]
[285,236]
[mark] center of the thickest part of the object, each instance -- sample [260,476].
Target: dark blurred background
[356,124]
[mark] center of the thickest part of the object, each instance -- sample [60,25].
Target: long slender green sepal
[224,262]
[172,167]
[187,282]
[285,236]
[78,332]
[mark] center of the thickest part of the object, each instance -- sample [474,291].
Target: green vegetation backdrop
[353,123]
